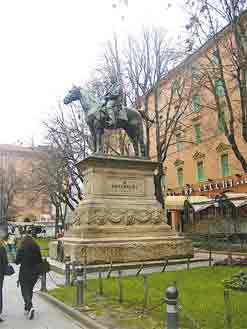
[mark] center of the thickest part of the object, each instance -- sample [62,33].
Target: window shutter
[215,58]
[180,177]
[196,103]
[198,134]
[179,141]
[200,172]
[219,90]
[175,87]
[225,165]
[221,121]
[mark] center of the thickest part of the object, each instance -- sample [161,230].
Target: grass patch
[45,252]
[201,296]
[43,242]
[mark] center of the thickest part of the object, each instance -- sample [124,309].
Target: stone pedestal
[119,219]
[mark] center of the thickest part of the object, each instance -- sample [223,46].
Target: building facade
[25,204]
[200,160]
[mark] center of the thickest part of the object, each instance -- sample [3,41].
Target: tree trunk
[158,177]
[147,126]
[57,220]
[244,125]
[64,215]
[158,185]
[237,152]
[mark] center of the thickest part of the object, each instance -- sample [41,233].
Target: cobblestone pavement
[46,317]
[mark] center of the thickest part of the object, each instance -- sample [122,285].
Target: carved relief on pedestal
[103,216]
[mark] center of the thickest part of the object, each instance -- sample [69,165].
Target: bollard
[146,291]
[73,272]
[172,313]
[210,256]
[120,284]
[100,283]
[228,319]
[188,263]
[43,282]
[79,288]
[67,271]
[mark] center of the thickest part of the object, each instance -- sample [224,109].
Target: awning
[237,199]
[197,202]
[200,207]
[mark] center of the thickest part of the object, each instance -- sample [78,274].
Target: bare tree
[50,177]
[147,60]
[218,27]
[68,135]
[11,182]
[142,65]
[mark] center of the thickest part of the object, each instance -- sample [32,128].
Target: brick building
[27,204]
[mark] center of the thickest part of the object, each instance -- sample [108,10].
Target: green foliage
[237,281]
[201,294]
[44,246]
[45,253]
[43,242]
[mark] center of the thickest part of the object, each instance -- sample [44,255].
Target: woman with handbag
[3,265]
[29,257]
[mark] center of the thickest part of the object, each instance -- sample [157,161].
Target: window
[219,89]
[196,103]
[245,75]
[195,73]
[221,121]
[215,57]
[225,171]
[179,141]
[200,171]
[180,177]
[175,87]
[198,135]
[240,40]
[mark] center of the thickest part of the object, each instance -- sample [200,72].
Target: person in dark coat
[29,257]
[3,264]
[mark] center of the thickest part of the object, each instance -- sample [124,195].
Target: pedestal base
[119,219]
[131,250]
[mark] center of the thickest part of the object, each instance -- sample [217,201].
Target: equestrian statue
[109,114]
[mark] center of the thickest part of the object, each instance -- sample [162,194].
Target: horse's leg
[135,146]
[94,136]
[133,139]
[135,131]
[142,145]
[99,140]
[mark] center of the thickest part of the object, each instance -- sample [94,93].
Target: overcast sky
[46,45]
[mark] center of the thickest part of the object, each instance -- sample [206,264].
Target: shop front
[225,213]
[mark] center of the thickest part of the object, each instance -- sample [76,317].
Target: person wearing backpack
[3,264]
[29,257]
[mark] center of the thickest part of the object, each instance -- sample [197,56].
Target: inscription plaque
[125,186]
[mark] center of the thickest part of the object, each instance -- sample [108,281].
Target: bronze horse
[97,120]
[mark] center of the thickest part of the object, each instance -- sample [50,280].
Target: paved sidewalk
[46,317]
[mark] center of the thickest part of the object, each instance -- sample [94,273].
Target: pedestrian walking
[11,243]
[29,257]
[3,265]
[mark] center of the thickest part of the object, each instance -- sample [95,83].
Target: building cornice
[178,163]
[222,147]
[198,155]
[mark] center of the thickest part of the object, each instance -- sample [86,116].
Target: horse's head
[74,94]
